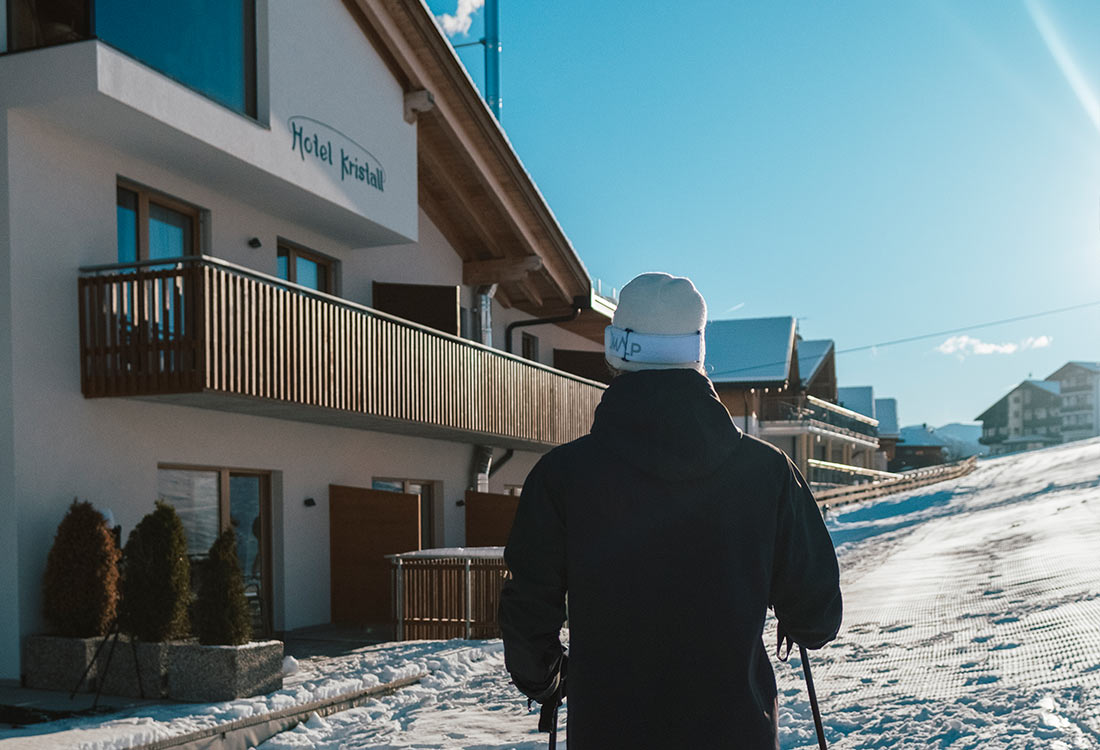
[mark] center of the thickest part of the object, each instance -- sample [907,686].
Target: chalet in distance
[784,390]
[278,305]
[1027,417]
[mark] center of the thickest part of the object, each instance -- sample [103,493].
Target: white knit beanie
[658,325]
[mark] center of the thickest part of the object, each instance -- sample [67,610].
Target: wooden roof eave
[421,58]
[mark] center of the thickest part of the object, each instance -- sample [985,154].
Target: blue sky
[879,170]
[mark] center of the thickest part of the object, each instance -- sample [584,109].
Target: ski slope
[972,620]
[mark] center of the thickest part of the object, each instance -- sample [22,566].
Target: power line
[923,336]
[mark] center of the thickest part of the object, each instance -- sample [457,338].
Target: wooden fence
[448,593]
[907,480]
[203,325]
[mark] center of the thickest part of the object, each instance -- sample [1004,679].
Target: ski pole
[813,697]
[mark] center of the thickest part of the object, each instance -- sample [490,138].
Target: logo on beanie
[653,348]
[620,343]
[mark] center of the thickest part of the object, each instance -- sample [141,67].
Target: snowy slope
[972,614]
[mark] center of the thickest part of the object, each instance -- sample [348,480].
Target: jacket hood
[667,423]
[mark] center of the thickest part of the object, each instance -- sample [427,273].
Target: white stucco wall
[58,183]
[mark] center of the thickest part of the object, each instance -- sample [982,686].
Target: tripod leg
[106,669]
[84,674]
[137,666]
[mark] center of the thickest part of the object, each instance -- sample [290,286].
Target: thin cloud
[736,307]
[964,345]
[459,23]
[1036,342]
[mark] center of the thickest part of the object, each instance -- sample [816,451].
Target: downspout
[580,304]
[492,56]
[481,465]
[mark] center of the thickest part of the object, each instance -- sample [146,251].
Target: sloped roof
[750,350]
[921,436]
[1090,366]
[811,355]
[1053,386]
[859,398]
[886,412]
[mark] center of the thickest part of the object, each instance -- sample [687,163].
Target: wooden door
[364,526]
[489,518]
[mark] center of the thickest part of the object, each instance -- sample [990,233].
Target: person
[672,532]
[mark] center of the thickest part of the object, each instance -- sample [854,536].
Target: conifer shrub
[80,588]
[156,577]
[222,616]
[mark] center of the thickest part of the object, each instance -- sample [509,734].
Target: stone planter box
[56,663]
[203,674]
[121,678]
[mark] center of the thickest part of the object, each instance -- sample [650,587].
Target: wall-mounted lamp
[309,502]
[255,243]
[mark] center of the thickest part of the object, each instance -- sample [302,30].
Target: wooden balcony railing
[199,325]
[808,410]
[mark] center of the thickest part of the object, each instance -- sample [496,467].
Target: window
[208,45]
[307,268]
[41,24]
[152,226]
[210,500]
[431,531]
[530,347]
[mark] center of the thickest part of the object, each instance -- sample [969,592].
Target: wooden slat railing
[203,325]
[448,593]
[907,480]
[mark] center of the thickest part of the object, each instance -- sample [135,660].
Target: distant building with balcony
[1027,417]
[889,430]
[757,366]
[1079,386]
[265,266]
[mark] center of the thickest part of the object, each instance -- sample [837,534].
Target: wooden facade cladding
[204,332]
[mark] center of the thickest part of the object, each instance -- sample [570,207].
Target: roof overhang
[473,185]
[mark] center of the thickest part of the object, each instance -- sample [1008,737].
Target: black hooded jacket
[672,532]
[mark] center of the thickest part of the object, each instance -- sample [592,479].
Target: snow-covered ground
[972,620]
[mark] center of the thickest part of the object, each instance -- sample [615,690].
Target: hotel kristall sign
[312,139]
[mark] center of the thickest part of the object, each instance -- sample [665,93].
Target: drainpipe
[503,460]
[580,304]
[483,313]
[481,468]
[483,332]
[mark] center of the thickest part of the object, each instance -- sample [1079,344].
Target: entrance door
[364,526]
[489,518]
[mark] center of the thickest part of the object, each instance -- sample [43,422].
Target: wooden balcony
[808,414]
[199,331]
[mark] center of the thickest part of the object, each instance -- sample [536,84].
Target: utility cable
[923,336]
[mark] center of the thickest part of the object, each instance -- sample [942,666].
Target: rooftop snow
[886,412]
[749,350]
[811,355]
[860,398]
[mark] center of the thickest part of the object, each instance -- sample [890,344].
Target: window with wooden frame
[530,347]
[152,225]
[210,500]
[306,267]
